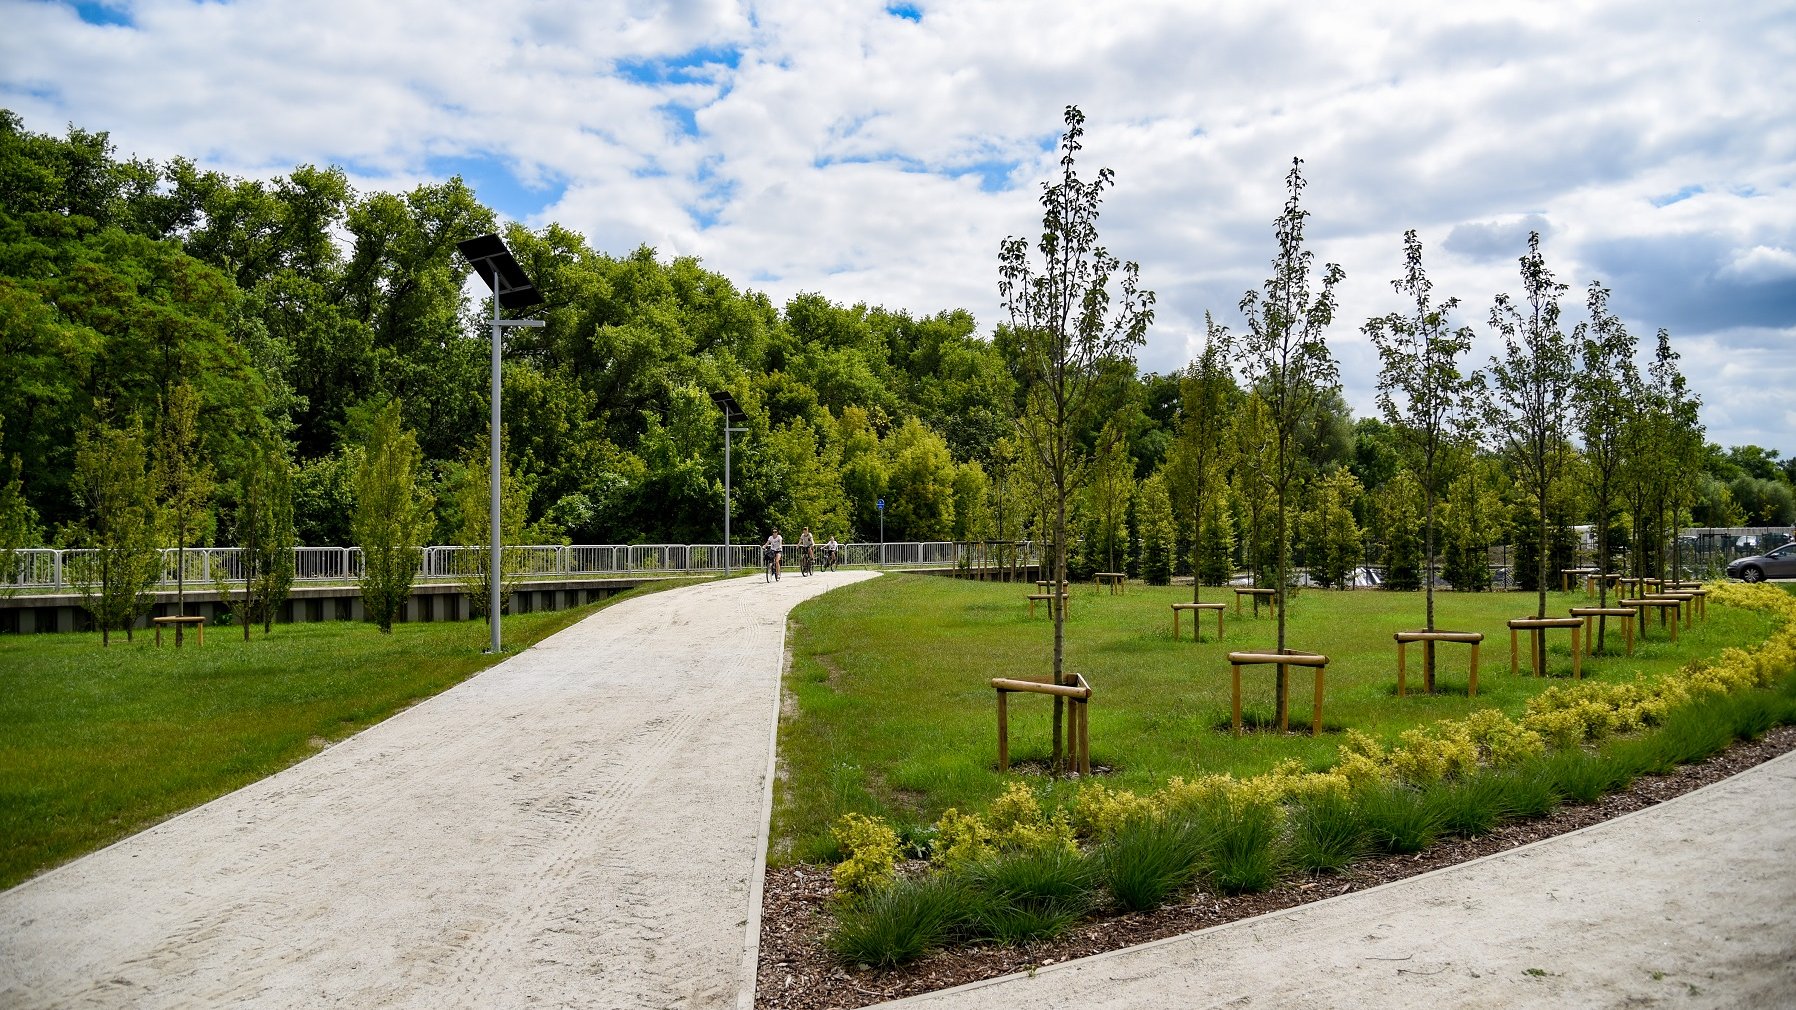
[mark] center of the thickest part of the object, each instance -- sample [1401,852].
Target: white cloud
[835,148]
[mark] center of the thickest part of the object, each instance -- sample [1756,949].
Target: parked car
[1777,564]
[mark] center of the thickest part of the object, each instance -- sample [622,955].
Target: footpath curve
[580,825]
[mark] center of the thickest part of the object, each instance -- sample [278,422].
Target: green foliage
[870,848]
[182,481]
[1399,819]
[391,517]
[1471,805]
[1331,533]
[18,521]
[112,485]
[1399,518]
[1158,535]
[1246,848]
[472,496]
[263,530]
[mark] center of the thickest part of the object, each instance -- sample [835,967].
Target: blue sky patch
[102,13]
[907,11]
[699,66]
[994,175]
[1681,195]
[495,185]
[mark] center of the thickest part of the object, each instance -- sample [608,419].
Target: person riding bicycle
[771,551]
[829,553]
[806,547]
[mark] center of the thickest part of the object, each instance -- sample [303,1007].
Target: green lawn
[97,744]
[894,714]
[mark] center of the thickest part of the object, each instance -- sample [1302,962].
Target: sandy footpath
[1691,903]
[576,827]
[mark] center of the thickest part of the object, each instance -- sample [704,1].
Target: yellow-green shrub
[960,839]
[1099,811]
[872,853]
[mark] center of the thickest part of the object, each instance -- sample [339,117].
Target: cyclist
[806,545]
[771,551]
[829,553]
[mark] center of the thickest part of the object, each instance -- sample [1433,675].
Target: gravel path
[1691,903]
[579,826]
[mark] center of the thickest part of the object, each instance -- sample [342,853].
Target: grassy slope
[97,744]
[894,714]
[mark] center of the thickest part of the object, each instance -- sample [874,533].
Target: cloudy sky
[880,151]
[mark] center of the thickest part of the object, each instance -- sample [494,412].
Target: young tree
[1333,540]
[183,482]
[1395,506]
[113,489]
[1198,462]
[474,533]
[1472,521]
[1681,443]
[1067,324]
[265,533]
[1602,407]
[1154,511]
[1251,439]
[392,516]
[1531,402]
[1107,495]
[1287,362]
[1424,398]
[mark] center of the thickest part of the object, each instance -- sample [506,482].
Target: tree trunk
[1428,585]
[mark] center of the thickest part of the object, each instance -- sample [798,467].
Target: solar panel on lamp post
[732,411]
[511,290]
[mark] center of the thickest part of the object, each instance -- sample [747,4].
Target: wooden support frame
[1117,581]
[1567,574]
[1642,603]
[1688,611]
[199,626]
[1536,627]
[1269,595]
[1078,696]
[1197,610]
[1282,660]
[1589,616]
[1403,638]
[1050,598]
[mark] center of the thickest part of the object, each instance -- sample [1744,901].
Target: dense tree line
[287,320]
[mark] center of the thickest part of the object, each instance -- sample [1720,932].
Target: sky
[880,152]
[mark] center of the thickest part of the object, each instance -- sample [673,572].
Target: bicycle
[804,562]
[772,570]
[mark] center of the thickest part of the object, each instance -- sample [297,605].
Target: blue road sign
[880,505]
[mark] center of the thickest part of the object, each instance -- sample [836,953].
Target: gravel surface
[796,973]
[579,826]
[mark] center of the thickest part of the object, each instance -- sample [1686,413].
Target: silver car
[1777,564]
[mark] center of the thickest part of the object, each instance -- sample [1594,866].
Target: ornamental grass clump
[1326,833]
[1147,861]
[1246,845]
[1529,789]
[901,921]
[1399,819]
[1471,805]
[1029,894]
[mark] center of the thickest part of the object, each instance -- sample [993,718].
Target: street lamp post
[732,411]
[511,290]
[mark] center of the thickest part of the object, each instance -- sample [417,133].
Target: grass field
[97,744]
[893,713]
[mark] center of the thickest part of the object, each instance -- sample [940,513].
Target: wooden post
[1402,650]
[1236,669]
[1316,721]
[1284,717]
[1473,691]
[1003,732]
[1512,656]
[1577,657]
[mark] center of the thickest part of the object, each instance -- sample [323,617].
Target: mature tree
[112,486]
[1287,362]
[392,516]
[1424,398]
[1068,323]
[1333,541]
[1197,463]
[1600,398]
[1531,398]
[183,482]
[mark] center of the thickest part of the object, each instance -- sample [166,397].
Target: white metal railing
[49,569]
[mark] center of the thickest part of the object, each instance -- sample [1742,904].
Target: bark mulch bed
[797,973]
